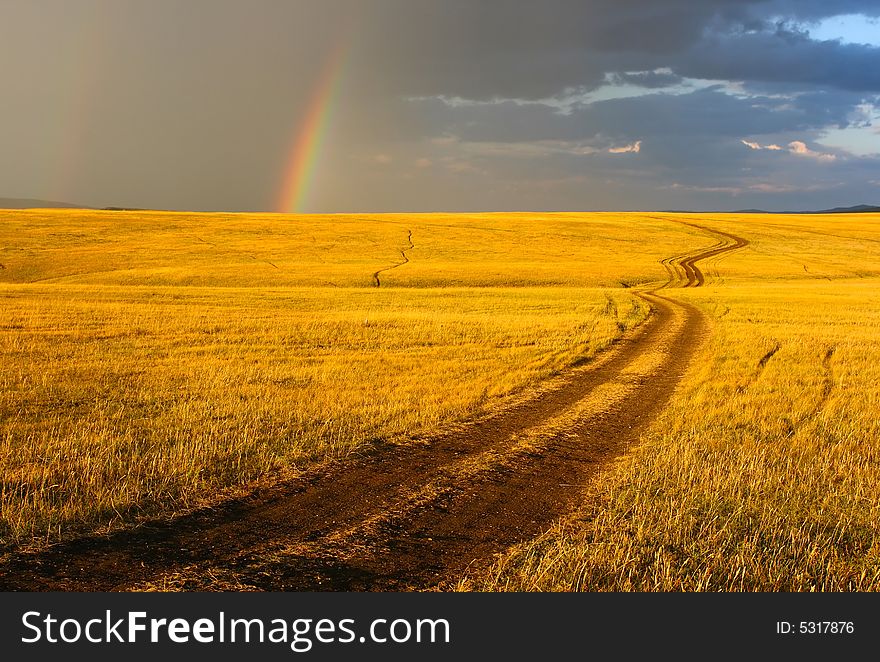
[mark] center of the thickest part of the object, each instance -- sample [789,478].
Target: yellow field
[251,250]
[152,362]
[764,472]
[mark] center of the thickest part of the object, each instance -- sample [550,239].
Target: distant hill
[30,203]
[856,209]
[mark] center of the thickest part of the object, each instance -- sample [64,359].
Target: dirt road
[416,516]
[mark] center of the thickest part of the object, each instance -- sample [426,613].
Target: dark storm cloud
[691,147]
[783,57]
[443,103]
[706,112]
[528,50]
[793,87]
[482,50]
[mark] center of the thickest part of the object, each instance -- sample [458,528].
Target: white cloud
[632,148]
[796,147]
[752,145]
[801,149]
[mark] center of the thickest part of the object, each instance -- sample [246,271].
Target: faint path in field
[762,362]
[376,281]
[759,368]
[824,394]
[827,382]
[413,516]
[237,252]
[828,378]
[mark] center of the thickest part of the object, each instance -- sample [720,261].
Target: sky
[441,105]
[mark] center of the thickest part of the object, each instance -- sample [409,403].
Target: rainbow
[306,147]
[74,111]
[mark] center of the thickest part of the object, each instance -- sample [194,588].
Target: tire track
[759,368]
[681,268]
[414,516]
[376,281]
[728,244]
[793,428]
[762,362]
[828,378]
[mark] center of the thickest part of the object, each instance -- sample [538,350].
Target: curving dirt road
[410,517]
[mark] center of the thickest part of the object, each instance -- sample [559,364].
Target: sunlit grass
[265,250]
[152,362]
[763,473]
[146,370]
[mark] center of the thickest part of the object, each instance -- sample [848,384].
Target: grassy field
[763,473]
[150,363]
[265,251]
[153,362]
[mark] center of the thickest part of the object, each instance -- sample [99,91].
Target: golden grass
[151,361]
[763,474]
[265,250]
